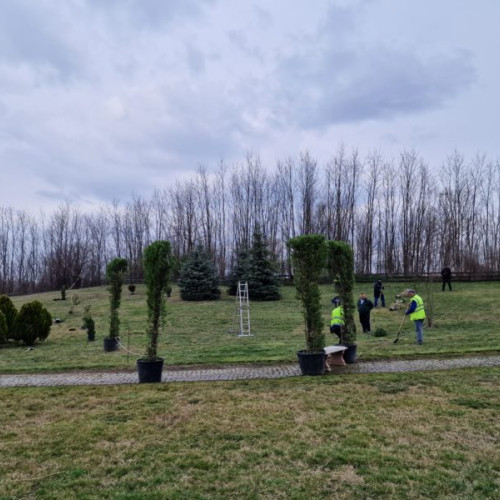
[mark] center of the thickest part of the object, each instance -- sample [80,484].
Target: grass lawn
[466,321]
[401,436]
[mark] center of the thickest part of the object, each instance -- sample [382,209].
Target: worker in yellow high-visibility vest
[337,320]
[416,312]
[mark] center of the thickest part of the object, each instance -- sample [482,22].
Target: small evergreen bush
[3,328]
[131,289]
[198,280]
[89,325]
[47,317]
[380,332]
[10,313]
[32,322]
[63,292]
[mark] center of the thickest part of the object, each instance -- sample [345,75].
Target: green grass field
[197,333]
[398,436]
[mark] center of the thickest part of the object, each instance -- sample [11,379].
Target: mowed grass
[401,436]
[197,333]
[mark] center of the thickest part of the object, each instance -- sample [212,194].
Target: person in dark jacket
[446,275]
[364,307]
[378,292]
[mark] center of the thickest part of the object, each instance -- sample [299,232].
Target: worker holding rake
[416,312]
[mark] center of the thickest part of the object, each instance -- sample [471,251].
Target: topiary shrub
[308,254]
[157,262]
[3,328]
[131,289]
[10,312]
[89,325]
[341,271]
[32,323]
[380,332]
[115,273]
[63,292]
[198,280]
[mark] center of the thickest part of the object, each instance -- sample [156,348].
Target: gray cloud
[30,34]
[150,13]
[99,98]
[330,80]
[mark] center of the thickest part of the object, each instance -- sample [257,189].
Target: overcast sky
[100,99]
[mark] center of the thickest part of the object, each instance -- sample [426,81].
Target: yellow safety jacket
[337,316]
[419,312]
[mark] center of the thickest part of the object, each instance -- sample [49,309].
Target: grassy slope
[401,436]
[197,332]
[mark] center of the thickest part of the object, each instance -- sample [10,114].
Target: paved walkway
[240,372]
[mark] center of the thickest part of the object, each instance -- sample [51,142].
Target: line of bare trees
[399,215]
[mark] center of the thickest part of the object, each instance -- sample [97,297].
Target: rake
[395,341]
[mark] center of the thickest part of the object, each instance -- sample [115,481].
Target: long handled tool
[395,341]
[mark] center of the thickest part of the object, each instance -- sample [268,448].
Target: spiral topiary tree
[32,322]
[340,265]
[308,254]
[115,273]
[10,312]
[157,267]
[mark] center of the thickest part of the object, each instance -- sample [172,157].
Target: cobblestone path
[240,372]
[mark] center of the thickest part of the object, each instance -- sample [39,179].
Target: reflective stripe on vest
[419,312]
[337,316]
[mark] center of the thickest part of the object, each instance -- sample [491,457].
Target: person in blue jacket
[378,293]
[365,305]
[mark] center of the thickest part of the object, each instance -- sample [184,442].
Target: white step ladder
[243,308]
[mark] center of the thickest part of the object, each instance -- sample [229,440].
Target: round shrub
[10,312]
[47,324]
[380,332]
[32,322]
[3,328]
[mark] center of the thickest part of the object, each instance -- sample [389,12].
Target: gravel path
[239,372]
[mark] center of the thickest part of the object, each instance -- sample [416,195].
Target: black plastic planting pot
[110,345]
[149,371]
[350,354]
[312,363]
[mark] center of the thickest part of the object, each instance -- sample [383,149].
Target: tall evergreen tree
[241,270]
[262,281]
[198,279]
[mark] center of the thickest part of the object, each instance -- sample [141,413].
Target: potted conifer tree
[341,271]
[157,262]
[115,273]
[308,254]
